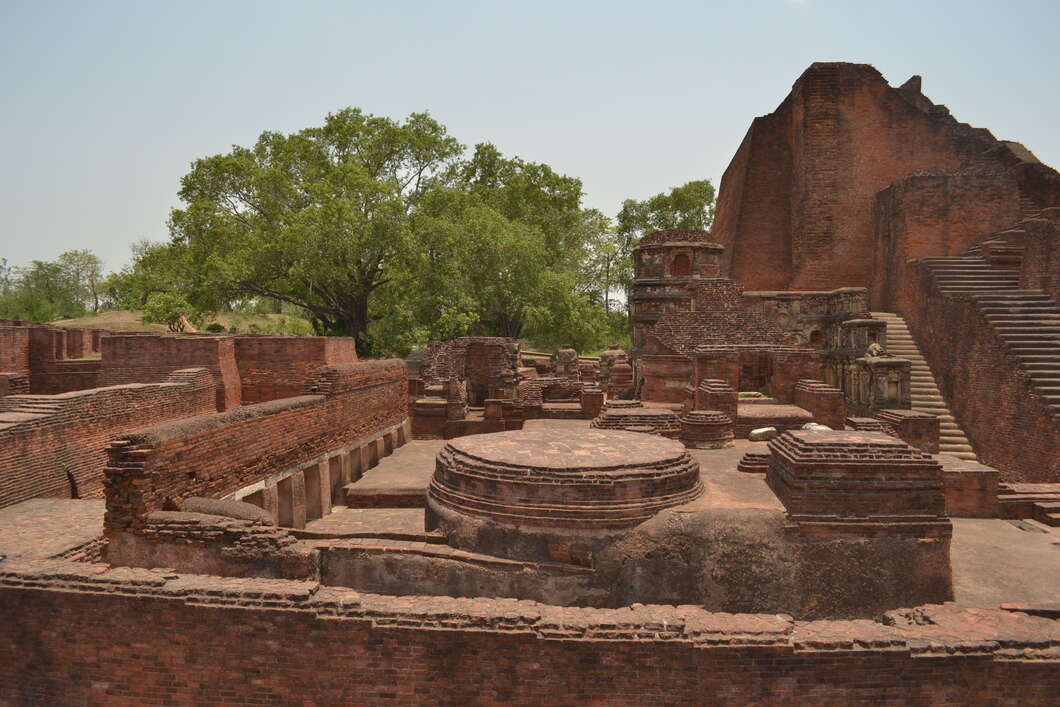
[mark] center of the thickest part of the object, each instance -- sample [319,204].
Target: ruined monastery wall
[140,358]
[55,446]
[1009,426]
[217,454]
[77,632]
[928,215]
[274,367]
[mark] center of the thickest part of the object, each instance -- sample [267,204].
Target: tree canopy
[46,290]
[388,231]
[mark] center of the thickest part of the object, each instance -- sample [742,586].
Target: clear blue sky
[105,104]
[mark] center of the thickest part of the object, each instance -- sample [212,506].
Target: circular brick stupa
[520,493]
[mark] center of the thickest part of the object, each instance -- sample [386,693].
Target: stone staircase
[1026,321]
[924,391]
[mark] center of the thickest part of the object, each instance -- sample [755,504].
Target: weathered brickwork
[146,358]
[14,350]
[151,637]
[274,367]
[40,351]
[1040,265]
[14,384]
[934,214]
[212,455]
[988,392]
[799,196]
[56,445]
[488,365]
[825,402]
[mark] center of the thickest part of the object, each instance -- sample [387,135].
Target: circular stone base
[562,483]
[706,429]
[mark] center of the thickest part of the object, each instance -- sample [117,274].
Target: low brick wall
[212,455]
[140,358]
[55,377]
[55,446]
[274,367]
[80,633]
[825,402]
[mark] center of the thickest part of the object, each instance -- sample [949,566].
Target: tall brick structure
[796,206]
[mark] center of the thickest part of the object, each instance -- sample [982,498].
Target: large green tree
[689,206]
[46,290]
[385,231]
[315,219]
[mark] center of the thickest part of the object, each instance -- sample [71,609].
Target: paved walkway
[46,527]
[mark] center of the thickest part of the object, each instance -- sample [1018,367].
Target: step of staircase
[1027,322]
[923,388]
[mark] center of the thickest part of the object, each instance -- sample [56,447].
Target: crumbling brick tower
[796,205]
[666,263]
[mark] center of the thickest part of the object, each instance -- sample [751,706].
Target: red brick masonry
[77,632]
[212,455]
[56,445]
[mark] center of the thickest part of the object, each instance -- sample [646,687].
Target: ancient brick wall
[754,205]
[216,454]
[55,377]
[825,402]
[145,358]
[935,214]
[488,364]
[39,351]
[1040,266]
[1008,425]
[799,197]
[78,343]
[56,445]
[14,350]
[13,384]
[274,367]
[77,633]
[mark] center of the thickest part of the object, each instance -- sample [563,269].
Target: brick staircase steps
[925,393]
[1027,322]
[1047,512]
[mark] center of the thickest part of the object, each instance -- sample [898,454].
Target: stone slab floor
[45,527]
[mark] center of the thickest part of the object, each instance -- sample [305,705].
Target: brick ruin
[552,523]
[959,233]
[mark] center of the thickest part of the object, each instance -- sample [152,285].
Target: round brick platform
[591,479]
[706,429]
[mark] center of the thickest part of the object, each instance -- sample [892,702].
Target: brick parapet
[526,651]
[216,454]
[274,367]
[54,446]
